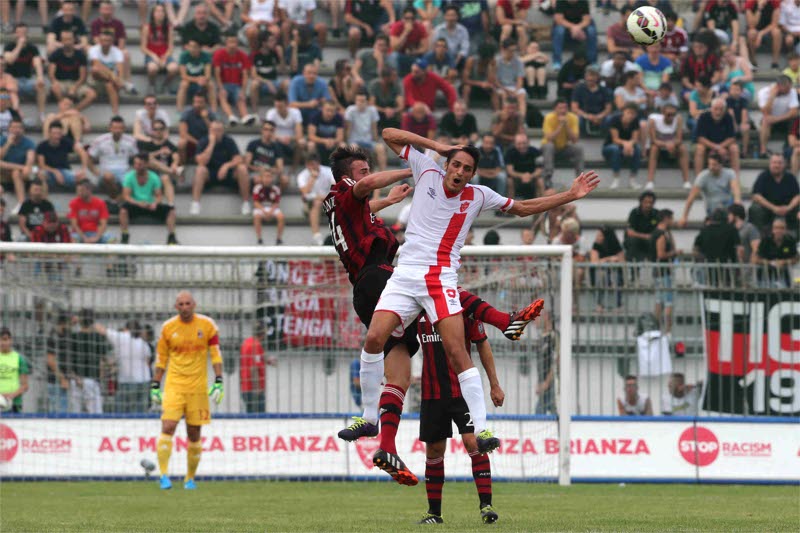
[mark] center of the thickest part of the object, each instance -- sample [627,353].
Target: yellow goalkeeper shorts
[192,405]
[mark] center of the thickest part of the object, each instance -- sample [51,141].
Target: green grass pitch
[374,506]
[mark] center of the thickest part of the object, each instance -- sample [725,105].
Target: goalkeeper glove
[216,391]
[155,392]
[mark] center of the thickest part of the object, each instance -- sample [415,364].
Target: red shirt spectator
[232,66]
[696,67]
[252,368]
[418,33]
[419,121]
[267,195]
[505,5]
[51,230]
[421,86]
[88,214]
[676,42]
[100,25]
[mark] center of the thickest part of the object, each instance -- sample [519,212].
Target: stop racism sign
[698,445]
[8,443]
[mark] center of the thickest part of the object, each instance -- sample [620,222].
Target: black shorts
[366,293]
[160,214]
[436,419]
[229,181]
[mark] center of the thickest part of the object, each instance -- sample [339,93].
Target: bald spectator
[420,85]
[459,125]
[307,92]
[561,139]
[524,179]
[409,40]
[201,30]
[419,120]
[776,193]
[779,106]
[716,133]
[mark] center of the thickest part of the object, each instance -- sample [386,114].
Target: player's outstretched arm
[397,139]
[581,186]
[487,360]
[379,180]
[395,196]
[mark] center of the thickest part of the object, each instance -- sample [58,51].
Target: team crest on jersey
[432,192]
[464,206]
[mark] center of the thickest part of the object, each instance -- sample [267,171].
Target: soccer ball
[647,25]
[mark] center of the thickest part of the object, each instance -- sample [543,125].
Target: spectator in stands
[386,94]
[622,144]
[366,20]
[302,51]
[17,156]
[370,62]
[261,17]
[665,96]
[7,112]
[253,370]
[791,149]
[326,130]
[675,45]
[793,68]
[641,223]
[68,73]
[474,15]
[491,167]
[572,22]
[606,249]
[288,128]
[231,73]
[15,372]
[74,122]
[88,216]
[478,71]
[52,158]
[343,85]
[409,40]
[202,31]
[509,77]
[665,129]
[561,134]
[307,92]
[157,45]
[89,360]
[57,352]
[737,105]
[716,134]
[145,117]
[67,21]
[195,72]
[662,245]
[361,128]
[570,75]
[300,16]
[681,399]
[163,158]
[630,92]
[9,86]
[524,177]
[421,86]
[459,125]
[737,68]
[267,61]
[618,38]
[132,364]
[441,62]
[718,242]
[777,252]
[106,23]
[507,124]
[762,21]
[632,403]
[142,197]
[721,17]
[5,231]
[33,209]
[591,102]
[222,11]
[699,102]
[266,203]
[656,70]
[112,151]
[266,153]
[455,35]
[106,67]
[535,62]
[219,163]
[719,186]
[419,120]
[776,193]
[51,230]
[613,70]
[193,126]
[700,63]
[314,182]
[779,106]
[789,23]
[23,62]
[749,236]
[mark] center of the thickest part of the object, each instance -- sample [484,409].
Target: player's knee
[435,450]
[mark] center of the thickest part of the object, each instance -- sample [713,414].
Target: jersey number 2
[336,233]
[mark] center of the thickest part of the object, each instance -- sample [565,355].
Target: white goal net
[67,304]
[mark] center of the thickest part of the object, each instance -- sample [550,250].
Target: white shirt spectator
[790,16]
[297,10]
[782,102]
[144,120]
[457,40]
[683,406]
[322,186]
[635,409]
[132,354]
[284,126]
[607,68]
[361,123]
[113,156]
[110,59]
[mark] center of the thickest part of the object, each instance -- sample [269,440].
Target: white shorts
[266,212]
[412,290]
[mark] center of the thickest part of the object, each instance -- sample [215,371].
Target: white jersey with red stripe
[439,222]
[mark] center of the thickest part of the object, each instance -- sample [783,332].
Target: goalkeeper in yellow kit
[186,340]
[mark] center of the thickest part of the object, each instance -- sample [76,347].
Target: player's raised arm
[398,139]
[581,186]
[396,195]
[487,360]
[379,180]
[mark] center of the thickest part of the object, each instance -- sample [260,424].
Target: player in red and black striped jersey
[266,204]
[366,248]
[443,404]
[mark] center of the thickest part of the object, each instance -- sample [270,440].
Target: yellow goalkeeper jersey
[185,347]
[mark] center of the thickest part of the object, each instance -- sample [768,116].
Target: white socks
[472,392]
[371,378]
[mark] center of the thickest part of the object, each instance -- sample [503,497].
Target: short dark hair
[20,24]
[452,7]
[665,213]
[143,156]
[646,194]
[491,238]
[631,105]
[737,210]
[35,181]
[55,124]
[631,377]
[159,121]
[118,119]
[783,79]
[280,96]
[469,150]
[410,9]
[508,41]
[5,332]
[715,156]
[561,100]
[269,123]
[382,37]
[342,157]
[628,75]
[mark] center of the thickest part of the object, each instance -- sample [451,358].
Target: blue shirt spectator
[307,91]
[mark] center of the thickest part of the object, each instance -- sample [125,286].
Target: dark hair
[737,210]
[382,37]
[631,377]
[410,9]
[280,96]
[491,238]
[84,182]
[715,156]
[5,332]
[705,81]
[665,213]
[783,79]
[469,150]
[561,100]
[269,123]
[508,41]
[452,7]
[629,75]
[201,94]
[35,181]
[55,124]
[666,85]
[342,157]
[142,156]
[631,105]
[86,317]
[159,121]
[679,375]
[646,194]
[719,215]
[20,24]
[117,118]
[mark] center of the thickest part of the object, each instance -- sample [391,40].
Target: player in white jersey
[426,278]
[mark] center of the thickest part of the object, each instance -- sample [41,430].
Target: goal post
[302,298]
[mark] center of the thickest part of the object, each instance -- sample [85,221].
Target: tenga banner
[752,347]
